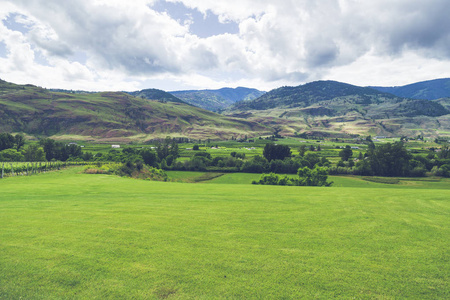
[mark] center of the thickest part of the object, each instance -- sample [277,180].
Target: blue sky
[199,44]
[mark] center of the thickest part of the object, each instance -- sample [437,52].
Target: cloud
[282,42]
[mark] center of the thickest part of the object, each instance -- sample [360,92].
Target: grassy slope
[68,235]
[110,116]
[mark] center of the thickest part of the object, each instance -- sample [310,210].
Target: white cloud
[127,44]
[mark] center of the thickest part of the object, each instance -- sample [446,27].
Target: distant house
[115,146]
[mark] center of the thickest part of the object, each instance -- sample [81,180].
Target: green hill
[110,116]
[216,100]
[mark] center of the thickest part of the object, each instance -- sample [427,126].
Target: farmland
[64,234]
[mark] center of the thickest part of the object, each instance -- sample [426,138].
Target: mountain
[110,116]
[426,90]
[309,94]
[330,108]
[216,100]
[334,98]
[155,94]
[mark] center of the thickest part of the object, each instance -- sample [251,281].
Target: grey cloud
[321,52]
[116,39]
[287,40]
[54,48]
[416,25]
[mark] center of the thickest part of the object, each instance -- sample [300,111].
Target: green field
[65,235]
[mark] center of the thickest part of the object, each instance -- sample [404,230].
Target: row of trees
[8,141]
[317,176]
[393,160]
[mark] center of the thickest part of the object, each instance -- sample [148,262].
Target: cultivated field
[65,235]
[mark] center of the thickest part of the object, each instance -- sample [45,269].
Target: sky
[119,45]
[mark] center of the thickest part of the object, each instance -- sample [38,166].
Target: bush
[306,177]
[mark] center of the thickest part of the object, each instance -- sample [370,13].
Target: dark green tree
[33,153]
[272,151]
[149,157]
[346,153]
[302,150]
[19,141]
[6,141]
[390,160]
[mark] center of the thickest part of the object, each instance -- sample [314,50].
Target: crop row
[9,169]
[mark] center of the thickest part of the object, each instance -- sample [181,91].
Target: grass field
[65,235]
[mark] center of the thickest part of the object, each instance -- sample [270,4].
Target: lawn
[70,235]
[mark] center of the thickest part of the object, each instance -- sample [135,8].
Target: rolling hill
[110,116]
[330,108]
[322,108]
[336,98]
[216,100]
[426,90]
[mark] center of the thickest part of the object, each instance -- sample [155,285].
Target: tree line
[393,160]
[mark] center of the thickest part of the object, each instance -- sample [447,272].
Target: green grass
[65,235]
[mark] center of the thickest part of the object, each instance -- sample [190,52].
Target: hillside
[109,116]
[329,108]
[335,98]
[216,100]
[155,94]
[426,90]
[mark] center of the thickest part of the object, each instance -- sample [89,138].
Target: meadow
[67,235]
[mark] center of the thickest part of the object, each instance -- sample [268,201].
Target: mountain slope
[109,116]
[309,94]
[215,100]
[427,90]
[334,109]
[155,94]
[335,98]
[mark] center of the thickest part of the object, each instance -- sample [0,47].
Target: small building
[115,146]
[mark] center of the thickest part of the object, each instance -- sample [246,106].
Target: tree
[257,164]
[315,177]
[360,155]
[19,140]
[272,151]
[390,160]
[346,153]
[33,153]
[302,150]
[11,155]
[310,160]
[168,147]
[49,146]
[6,141]
[149,157]
[269,179]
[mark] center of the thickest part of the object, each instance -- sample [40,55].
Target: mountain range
[330,108]
[216,100]
[427,90]
[111,116]
[321,108]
